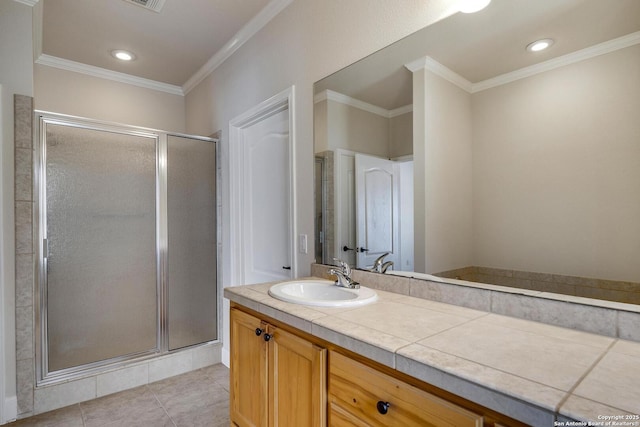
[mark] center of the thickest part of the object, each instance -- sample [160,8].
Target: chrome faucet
[379,266]
[386,266]
[344,275]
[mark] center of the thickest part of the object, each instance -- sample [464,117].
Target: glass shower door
[191,252]
[100,250]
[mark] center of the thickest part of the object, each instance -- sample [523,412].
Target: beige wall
[401,135]
[307,41]
[16,77]
[442,164]
[556,169]
[320,127]
[76,94]
[339,125]
[357,130]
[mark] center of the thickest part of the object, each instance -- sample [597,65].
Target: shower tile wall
[34,400]
[626,292]
[25,359]
[329,204]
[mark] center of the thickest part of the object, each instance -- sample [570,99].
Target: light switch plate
[302,243]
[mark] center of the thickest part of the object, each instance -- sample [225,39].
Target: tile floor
[198,398]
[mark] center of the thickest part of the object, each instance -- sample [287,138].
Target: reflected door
[377,229]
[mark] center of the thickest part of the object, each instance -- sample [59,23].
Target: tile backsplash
[589,315]
[610,290]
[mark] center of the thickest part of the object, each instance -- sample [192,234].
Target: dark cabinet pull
[267,337]
[362,249]
[383,407]
[346,248]
[258,331]
[286,268]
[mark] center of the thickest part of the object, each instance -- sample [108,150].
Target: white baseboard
[226,357]
[10,410]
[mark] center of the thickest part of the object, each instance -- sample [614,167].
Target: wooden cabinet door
[297,381]
[249,376]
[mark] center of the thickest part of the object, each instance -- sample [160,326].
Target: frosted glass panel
[191,205]
[101,231]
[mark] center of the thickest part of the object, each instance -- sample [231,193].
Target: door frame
[237,126]
[343,189]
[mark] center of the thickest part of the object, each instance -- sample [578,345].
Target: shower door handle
[45,249]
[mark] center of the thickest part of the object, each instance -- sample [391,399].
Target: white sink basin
[322,293]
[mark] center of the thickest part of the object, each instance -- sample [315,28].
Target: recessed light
[123,55]
[472,6]
[539,45]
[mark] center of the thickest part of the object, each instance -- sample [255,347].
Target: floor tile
[207,416]
[71,416]
[197,398]
[126,405]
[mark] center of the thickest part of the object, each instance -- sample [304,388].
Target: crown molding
[561,61]
[28,2]
[400,111]
[331,95]
[273,8]
[347,100]
[440,70]
[90,70]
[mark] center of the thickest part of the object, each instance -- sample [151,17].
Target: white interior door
[377,214]
[266,199]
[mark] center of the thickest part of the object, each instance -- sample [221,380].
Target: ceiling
[486,44]
[171,46]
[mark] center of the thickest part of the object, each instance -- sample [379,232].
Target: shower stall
[126,245]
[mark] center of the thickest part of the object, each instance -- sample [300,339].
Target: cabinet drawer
[356,389]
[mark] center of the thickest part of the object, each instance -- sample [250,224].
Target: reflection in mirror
[466,156]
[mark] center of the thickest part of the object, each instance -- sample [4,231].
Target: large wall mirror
[465,156]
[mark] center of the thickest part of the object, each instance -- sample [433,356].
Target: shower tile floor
[197,398]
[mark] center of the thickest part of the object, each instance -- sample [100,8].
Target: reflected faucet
[379,266]
[344,275]
[386,266]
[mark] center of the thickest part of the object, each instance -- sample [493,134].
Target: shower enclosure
[127,244]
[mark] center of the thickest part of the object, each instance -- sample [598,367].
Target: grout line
[82,417]
[163,408]
[584,375]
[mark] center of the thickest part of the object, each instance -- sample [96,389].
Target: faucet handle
[345,267]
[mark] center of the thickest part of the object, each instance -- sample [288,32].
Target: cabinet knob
[267,337]
[383,407]
[258,332]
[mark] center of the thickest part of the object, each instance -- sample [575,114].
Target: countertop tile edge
[511,406]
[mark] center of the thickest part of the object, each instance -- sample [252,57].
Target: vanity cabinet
[359,395]
[281,376]
[277,377]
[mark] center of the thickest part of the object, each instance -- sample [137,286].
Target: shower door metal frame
[41,120]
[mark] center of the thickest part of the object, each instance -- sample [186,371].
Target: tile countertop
[533,372]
